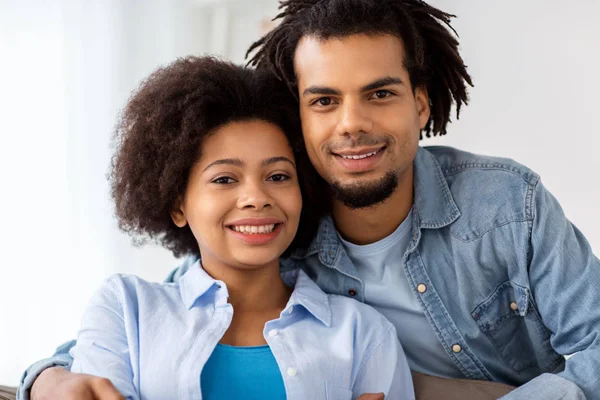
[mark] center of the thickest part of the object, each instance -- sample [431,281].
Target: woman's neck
[257,295]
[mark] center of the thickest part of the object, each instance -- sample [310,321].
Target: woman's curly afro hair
[159,137]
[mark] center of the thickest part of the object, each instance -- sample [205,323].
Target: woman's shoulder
[133,290]
[362,315]
[344,313]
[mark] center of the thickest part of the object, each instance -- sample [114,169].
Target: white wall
[67,68]
[535,68]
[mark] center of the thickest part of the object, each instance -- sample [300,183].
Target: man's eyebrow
[273,160]
[388,80]
[324,90]
[227,161]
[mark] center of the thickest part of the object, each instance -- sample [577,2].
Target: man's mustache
[361,141]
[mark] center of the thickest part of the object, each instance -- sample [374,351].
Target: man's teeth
[252,229]
[359,156]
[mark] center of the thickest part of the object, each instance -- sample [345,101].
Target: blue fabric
[380,267]
[242,373]
[153,340]
[486,233]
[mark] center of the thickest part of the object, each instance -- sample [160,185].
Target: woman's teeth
[360,156]
[252,229]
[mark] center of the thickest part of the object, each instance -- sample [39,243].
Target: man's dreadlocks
[432,58]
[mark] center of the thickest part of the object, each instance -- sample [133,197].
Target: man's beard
[368,194]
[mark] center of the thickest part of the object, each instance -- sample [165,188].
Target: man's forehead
[351,61]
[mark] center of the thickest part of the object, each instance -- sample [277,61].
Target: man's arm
[565,281]
[61,361]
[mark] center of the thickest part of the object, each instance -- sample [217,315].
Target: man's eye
[324,101]
[223,180]
[279,177]
[382,94]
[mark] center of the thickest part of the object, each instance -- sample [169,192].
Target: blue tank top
[246,373]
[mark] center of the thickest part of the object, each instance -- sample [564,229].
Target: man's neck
[369,225]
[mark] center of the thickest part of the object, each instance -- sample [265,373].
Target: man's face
[361,118]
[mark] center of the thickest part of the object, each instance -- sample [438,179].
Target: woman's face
[243,199]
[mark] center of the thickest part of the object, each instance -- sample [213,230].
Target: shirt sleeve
[102,347]
[565,281]
[61,358]
[385,370]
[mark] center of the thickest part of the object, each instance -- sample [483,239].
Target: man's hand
[59,384]
[371,396]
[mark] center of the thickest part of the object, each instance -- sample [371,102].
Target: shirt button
[292,371]
[514,306]
[421,288]
[456,348]
[352,292]
[273,332]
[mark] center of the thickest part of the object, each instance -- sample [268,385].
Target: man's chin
[364,193]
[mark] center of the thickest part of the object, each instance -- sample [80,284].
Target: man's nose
[354,119]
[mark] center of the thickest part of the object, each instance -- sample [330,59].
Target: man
[470,257]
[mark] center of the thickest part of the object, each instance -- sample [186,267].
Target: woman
[207,164]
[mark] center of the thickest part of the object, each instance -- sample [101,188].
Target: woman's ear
[178,213]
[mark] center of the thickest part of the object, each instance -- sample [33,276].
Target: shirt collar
[433,206]
[433,201]
[308,295]
[194,283]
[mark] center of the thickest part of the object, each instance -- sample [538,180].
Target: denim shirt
[508,284]
[152,340]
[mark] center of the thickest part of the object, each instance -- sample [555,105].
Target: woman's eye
[279,177]
[223,180]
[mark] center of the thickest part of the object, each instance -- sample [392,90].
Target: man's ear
[178,213]
[422,99]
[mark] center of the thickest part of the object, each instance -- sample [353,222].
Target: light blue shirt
[153,340]
[380,266]
[242,373]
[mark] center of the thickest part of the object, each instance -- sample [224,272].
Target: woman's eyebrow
[228,161]
[273,160]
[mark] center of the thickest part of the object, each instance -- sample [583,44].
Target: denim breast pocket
[334,392]
[512,323]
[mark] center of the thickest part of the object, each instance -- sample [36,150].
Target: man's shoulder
[489,191]
[455,162]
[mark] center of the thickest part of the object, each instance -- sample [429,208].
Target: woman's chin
[256,259]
